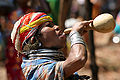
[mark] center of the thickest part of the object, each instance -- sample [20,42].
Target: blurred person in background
[110,6]
[2,42]
[116,32]
[117,28]
[13,60]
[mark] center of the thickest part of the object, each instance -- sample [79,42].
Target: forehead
[45,26]
[48,23]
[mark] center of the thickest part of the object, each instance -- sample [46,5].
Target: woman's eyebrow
[50,24]
[44,24]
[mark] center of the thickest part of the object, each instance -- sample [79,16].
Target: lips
[62,35]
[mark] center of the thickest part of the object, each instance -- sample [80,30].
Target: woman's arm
[78,54]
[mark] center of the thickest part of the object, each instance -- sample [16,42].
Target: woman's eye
[57,29]
[49,25]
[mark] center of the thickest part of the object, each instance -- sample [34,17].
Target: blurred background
[103,48]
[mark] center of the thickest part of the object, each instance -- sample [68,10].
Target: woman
[35,36]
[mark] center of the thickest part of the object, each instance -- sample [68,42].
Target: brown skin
[51,38]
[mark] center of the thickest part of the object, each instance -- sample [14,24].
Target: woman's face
[52,36]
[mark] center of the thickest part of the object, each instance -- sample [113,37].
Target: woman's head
[26,27]
[51,36]
[36,30]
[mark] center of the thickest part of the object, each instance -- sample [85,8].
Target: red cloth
[13,62]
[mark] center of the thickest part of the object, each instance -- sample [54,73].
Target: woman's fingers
[86,22]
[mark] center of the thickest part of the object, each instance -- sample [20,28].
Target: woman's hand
[82,27]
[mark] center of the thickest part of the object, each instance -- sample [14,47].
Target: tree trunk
[93,65]
[64,11]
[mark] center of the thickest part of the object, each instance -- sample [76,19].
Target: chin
[63,46]
[58,47]
[55,48]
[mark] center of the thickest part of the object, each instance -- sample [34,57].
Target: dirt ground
[2,71]
[107,58]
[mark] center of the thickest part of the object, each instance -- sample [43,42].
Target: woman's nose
[57,28]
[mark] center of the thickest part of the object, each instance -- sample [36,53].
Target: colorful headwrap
[26,26]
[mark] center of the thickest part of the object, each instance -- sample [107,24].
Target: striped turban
[26,26]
